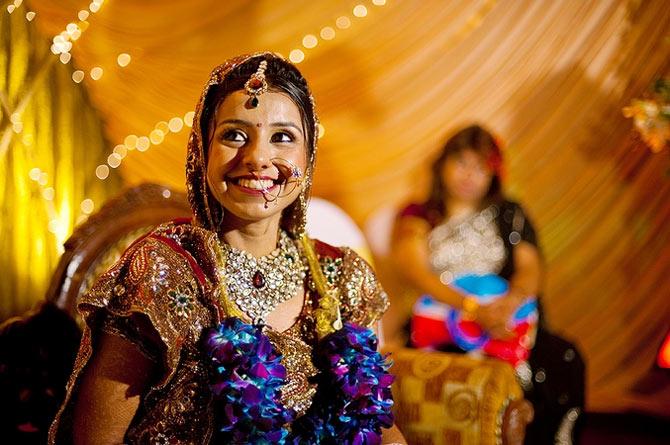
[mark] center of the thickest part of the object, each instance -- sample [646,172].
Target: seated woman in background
[475,257]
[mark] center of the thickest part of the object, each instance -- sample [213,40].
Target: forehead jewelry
[256,85]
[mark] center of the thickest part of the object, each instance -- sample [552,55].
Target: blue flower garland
[247,380]
[353,400]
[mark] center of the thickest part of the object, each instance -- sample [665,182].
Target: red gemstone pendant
[258,280]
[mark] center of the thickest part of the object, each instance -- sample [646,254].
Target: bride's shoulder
[363,301]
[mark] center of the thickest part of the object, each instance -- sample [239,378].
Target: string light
[114,160]
[17,125]
[48,193]
[188,118]
[343,22]
[296,56]
[30,15]
[156,136]
[163,126]
[130,142]
[327,33]
[102,172]
[34,174]
[62,42]
[309,41]
[62,45]
[143,143]
[53,226]
[121,150]
[96,73]
[12,7]
[360,11]
[78,76]
[87,206]
[176,124]
[123,60]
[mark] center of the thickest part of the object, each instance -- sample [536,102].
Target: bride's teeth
[256,184]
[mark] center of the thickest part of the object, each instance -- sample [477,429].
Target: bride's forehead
[271,103]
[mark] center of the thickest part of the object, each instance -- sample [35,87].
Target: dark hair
[280,75]
[474,138]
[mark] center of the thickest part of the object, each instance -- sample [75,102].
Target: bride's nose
[256,155]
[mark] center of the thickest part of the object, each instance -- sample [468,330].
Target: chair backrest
[331,224]
[378,229]
[98,243]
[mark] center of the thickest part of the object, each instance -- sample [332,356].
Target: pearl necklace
[259,285]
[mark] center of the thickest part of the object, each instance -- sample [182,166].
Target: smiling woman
[248,154]
[234,327]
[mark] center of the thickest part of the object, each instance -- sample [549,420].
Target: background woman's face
[244,149]
[466,176]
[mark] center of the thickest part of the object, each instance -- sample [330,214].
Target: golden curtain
[50,132]
[550,77]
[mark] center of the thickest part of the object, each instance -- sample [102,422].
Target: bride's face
[247,170]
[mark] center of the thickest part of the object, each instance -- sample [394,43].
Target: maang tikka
[257,85]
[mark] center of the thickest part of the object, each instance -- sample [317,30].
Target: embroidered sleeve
[150,298]
[363,299]
[137,331]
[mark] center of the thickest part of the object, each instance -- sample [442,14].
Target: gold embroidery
[363,299]
[181,301]
[298,392]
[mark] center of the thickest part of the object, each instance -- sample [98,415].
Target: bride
[234,327]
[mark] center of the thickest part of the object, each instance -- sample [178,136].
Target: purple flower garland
[352,404]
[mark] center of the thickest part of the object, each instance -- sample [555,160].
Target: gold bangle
[470,307]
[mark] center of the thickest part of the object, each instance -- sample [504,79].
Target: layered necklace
[259,285]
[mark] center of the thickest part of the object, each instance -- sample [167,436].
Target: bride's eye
[236,136]
[282,136]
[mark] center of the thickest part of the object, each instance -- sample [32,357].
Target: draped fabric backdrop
[49,135]
[549,77]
